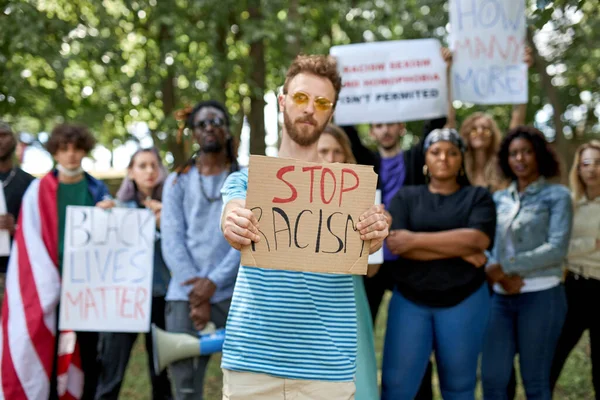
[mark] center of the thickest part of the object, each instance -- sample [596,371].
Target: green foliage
[110,63]
[575,382]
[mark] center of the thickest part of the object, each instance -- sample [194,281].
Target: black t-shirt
[16,185]
[447,282]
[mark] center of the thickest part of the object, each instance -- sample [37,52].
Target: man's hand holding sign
[300,215]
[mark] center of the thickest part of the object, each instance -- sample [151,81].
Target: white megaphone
[170,347]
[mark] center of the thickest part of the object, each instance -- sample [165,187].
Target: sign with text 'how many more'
[488,43]
[107,270]
[307,215]
[392,81]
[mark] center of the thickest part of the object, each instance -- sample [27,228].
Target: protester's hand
[447,56]
[388,217]
[495,273]
[7,222]
[399,241]
[240,226]
[528,57]
[200,315]
[477,259]
[154,205]
[512,284]
[372,270]
[202,290]
[106,204]
[373,226]
[157,216]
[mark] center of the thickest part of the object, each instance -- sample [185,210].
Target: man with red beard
[292,334]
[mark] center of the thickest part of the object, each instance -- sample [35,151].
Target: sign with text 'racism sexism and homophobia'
[394,81]
[107,270]
[488,39]
[307,215]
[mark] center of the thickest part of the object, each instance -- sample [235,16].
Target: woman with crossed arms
[440,301]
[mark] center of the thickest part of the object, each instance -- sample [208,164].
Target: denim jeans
[528,324]
[188,374]
[583,296]
[455,334]
[116,350]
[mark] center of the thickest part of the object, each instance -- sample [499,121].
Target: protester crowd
[484,254]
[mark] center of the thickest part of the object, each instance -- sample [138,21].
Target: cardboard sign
[107,270]
[488,41]
[307,215]
[394,81]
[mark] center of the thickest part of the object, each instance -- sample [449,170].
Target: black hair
[431,125]
[547,161]
[230,145]
[189,123]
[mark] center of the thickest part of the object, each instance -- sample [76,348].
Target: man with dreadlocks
[203,265]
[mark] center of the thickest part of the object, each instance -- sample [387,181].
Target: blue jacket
[161,275]
[536,226]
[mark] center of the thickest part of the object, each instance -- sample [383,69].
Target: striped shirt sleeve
[235,187]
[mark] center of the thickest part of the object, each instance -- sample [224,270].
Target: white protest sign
[107,270]
[394,81]
[377,257]
[488,39]
[4,234]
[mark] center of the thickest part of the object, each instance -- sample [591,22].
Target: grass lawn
[575,382]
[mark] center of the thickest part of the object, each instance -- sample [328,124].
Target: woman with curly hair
[582,282]
[532,238]
[482,136]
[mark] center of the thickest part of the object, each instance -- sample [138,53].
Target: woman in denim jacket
[582,283]
[532,239]
[142,188]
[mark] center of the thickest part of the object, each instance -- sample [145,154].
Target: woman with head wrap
[440,300]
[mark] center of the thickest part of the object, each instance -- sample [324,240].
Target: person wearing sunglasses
[203,266]
[293,334]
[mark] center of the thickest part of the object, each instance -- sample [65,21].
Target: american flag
[29,312]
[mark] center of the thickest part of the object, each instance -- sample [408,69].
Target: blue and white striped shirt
[289,324]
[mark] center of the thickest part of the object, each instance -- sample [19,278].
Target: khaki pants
[253,386]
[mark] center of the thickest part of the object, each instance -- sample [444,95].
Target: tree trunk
[564,148]
[177,149]
[222,70]
[293,20]
[256,119]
